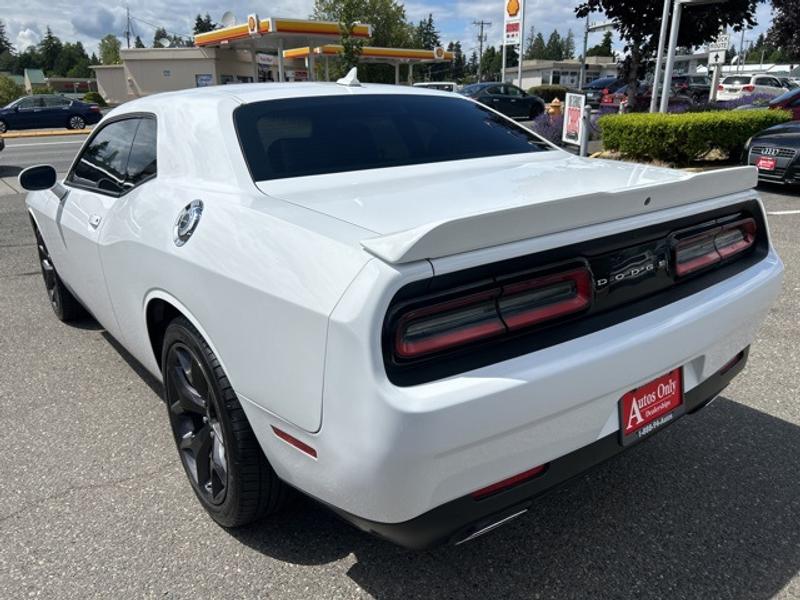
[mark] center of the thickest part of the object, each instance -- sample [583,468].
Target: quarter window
[142,161]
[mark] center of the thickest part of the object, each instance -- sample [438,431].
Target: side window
[27,103]
[55,101]
[494,91]
[142,162]
[511,90]
[763,81]
[776,83]
[102,164]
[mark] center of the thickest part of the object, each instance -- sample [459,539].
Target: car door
[97,180]
[518,105]
[493,97]
[28,113]
[56,111]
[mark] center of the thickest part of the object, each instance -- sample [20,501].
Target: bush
[549,126]
[9,91]
[94,97]
[681,138]
[548,93]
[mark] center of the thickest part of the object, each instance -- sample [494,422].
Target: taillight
[94,108]
[748,88]
[454,323]
[720,88]
[714,245]
[605,91]
[491,313]
[532,302]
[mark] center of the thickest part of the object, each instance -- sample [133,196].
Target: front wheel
[220,453]
[76,122]
[63,303]
[3,126]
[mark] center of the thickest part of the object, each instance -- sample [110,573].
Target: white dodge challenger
[396,300]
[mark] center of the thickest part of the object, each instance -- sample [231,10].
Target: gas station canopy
[275,34]
[372,54]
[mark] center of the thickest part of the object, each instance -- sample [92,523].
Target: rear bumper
[466,518]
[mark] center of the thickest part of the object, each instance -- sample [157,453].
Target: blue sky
[89,20]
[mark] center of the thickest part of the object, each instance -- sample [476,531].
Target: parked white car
[417,311]
[734,87]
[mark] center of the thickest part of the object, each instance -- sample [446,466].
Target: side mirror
[39,177]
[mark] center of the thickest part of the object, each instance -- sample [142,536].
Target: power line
[154,26]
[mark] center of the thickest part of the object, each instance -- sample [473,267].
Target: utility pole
[128,25]
[481,39]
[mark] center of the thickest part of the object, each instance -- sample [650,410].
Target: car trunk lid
[434,210]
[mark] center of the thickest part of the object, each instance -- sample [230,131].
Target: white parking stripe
[784,212]
[10,145]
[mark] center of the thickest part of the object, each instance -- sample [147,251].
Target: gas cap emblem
[187,221]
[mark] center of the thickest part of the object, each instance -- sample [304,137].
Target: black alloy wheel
[195,422]
[76,122]
[219,451]
[63,303]
[3,126]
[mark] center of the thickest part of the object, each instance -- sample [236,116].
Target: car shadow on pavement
[709,508]
[153,383]
[776,188]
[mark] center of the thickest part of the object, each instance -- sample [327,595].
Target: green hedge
[94,97]
[548,93]
[681,138]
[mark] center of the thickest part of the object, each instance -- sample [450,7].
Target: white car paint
[289,281]
[731,88]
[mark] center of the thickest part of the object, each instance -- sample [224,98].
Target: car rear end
[735,87]
[469,385]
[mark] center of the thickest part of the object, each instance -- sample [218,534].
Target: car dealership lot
[96,504]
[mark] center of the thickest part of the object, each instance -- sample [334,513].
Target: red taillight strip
[717,249]
[581,300]
[290,439]
[500,313]
[507,483]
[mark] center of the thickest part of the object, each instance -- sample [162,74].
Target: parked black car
[595,90]
[46,110]
[506,98]
[697,87]
[775,152]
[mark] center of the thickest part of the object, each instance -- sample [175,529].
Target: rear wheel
[76,122]
[64,304]
[222,458]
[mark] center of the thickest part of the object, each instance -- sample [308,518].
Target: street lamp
[677,8]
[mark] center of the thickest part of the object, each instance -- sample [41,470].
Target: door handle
[94,221]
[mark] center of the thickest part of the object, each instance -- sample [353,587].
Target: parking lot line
[784,212]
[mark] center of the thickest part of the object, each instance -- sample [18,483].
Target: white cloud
[25,38]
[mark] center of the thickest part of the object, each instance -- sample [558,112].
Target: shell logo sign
[252,24]
[512,8]
[512,21]
[438,53]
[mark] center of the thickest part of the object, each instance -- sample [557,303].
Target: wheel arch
[160,308]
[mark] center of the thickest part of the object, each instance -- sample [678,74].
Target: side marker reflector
[293,441]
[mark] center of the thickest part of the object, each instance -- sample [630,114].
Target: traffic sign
[716,57]
[721,43]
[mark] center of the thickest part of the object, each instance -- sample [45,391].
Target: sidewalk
[44,133]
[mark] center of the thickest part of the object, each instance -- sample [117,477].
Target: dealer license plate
[766,163]
[650,407]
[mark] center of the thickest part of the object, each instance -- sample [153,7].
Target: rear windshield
[736,80]
[329,134]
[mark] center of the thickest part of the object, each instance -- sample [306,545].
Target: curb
[47,133]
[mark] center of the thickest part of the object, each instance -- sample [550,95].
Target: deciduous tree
[109,48]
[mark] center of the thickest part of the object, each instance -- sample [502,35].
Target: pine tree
[459,62]
[538,48]
[568,46]
[5,44]
[425,34]
[555,48]
[203,24]
[138,43]
[528,54]
[49,50]
[605,48]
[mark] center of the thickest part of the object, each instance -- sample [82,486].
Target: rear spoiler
[483,230]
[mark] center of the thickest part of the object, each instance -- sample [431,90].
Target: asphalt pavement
[95,503]
[19,153]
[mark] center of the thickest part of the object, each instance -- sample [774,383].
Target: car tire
[3,126]
[65,306]
[76,122]
[222,458]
